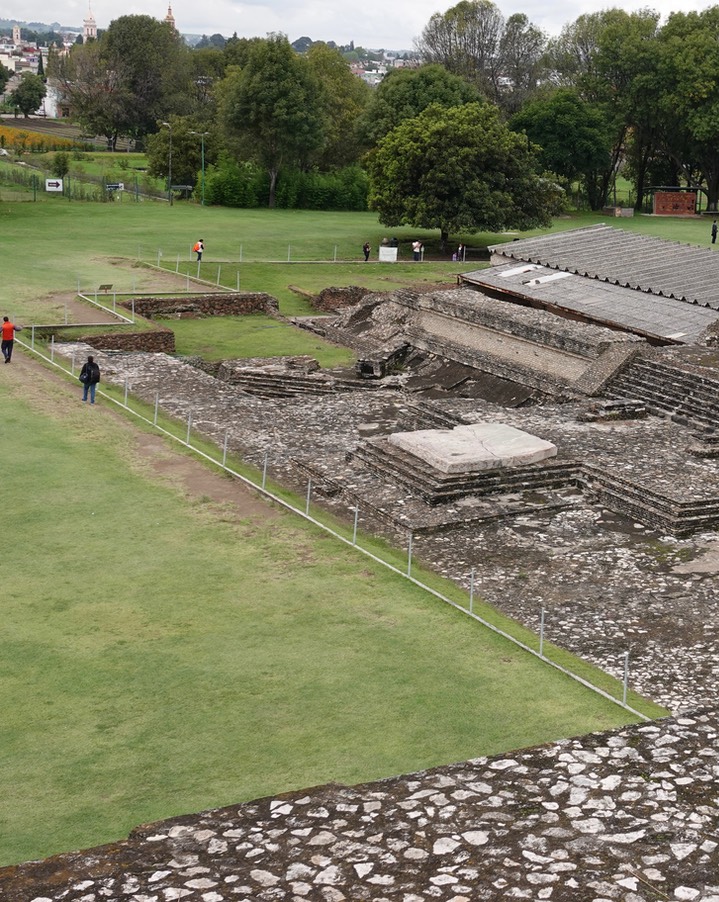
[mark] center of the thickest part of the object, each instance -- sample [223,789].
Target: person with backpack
[89,376]
[199,248]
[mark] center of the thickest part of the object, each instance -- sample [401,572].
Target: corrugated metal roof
[649,315]
[663,268]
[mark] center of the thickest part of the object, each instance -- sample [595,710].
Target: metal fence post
[309,493]
[32,338]
[219,269]
[335,256]
[471,592]
[126,390]
[133,310]
[52,348]
[626,678]
[157,404]
[541,635]
[159,254]
[224,448]
[409,555]
[288,253]
[240,253]
[189,427]
[264,471]
[354,529]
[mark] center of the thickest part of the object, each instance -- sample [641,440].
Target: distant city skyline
[373,24]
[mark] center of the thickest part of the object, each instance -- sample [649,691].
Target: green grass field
[160,655]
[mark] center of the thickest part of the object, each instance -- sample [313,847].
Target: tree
[522,63]
[29,94]
[5,75]
[465,40]
[405,93]
[459,169]
[274,106]
[135,74]
[573,135]
[689,95]
[610,59]
[343,99]
[61,164]
[187,140]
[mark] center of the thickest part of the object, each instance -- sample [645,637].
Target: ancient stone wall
[528,323]
[155,340]
[235,304]
[332,299]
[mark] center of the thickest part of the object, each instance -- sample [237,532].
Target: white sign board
[388,255]
[53,185]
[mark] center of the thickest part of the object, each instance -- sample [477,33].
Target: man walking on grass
[8,338]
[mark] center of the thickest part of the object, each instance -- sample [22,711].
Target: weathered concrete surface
[466,449]
[629,815]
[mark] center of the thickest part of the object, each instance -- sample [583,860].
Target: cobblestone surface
[629,815]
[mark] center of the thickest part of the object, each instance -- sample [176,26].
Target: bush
[61,164]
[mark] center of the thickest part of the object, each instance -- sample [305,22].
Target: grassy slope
[158,657]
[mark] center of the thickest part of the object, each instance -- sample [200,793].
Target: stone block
[469,449]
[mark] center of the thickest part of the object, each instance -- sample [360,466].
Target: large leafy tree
[137,73]
[573,134]
[274,107]
[459,169]
[689,95]
[405,93]
[343,99]
[29,94]
[610,59]
[504,59]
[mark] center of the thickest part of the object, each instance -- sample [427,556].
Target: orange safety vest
[8,331]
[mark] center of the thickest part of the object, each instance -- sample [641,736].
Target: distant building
[89,27]
[170,19]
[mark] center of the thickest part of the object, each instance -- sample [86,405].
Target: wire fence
[260,485]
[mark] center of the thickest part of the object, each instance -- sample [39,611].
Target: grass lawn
[160,655]
[223,338]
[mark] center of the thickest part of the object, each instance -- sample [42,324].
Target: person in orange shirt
[8,338]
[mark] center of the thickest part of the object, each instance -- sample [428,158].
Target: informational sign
[118,186]
[53,185]
[388,254]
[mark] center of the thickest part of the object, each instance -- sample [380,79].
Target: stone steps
[275,385]
[434,487]
[669,390]
[650,508]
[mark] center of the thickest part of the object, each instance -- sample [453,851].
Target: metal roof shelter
[652,317]
[663,268]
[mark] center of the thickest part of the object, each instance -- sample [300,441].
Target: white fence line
[305,515]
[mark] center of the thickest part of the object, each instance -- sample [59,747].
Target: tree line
[492,131]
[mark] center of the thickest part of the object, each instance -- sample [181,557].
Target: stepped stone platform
[468,449]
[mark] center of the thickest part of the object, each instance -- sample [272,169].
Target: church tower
[16,39]
[89,27]
[170,19]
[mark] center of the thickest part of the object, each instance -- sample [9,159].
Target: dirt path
[50,393]
[145,279]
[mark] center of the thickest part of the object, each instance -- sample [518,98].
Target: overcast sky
[389,24]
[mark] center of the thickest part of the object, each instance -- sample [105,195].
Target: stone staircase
[669,390]
[435,487]
[278,385]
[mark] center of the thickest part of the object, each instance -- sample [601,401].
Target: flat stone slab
[470,449]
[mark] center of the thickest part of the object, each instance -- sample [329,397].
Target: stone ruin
[609,535]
